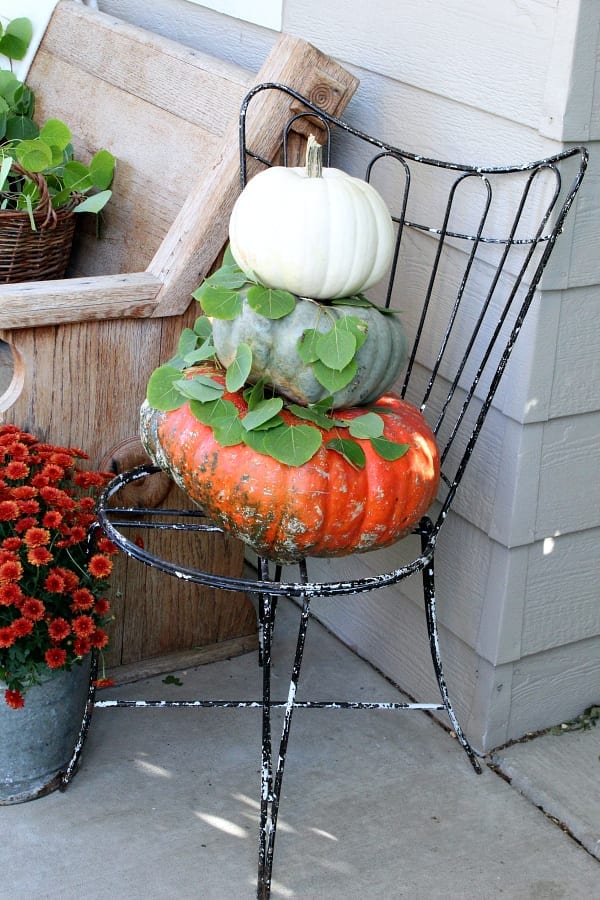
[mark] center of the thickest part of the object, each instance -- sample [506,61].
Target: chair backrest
[472,243]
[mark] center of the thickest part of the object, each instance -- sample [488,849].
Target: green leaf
[4,170]
[239,368]
[255,394]
[206,350]
[389,449]
[187,341]
[94,203]
[16,38]
[307,345]
[336,347]
[271,304]
[76,176]
[161,393]
[203,327]
[358,327]
[34,156]
[262,412]
[228,277]
[56,134]
[292,445]
[368,426]
[219,302]
[20,128]
[354,300]
[102,169]
[223,417]
[351,451]
[318,416]
[228,259]
[331,380]
[200,387]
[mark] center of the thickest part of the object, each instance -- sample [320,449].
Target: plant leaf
[228,277]
[318,416]
[270,303]
[292,445]
[203,327]
[368,426]
[206,350]
[55,133]
[34,156]
[187,341]
[331,380]
[222,303]
[94,203]
[222,416]
[161,393]
[255,394]
[102,169]
[200,387]
[336,347]
[262,412]
[306,345]
[350,450]
[354,300]
[389,449]
[239,368]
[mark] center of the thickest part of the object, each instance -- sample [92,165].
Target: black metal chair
[482,236]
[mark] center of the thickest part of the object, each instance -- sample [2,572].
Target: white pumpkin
[316,232]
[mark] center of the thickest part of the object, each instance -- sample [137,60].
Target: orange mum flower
[8,510]
[36,537]
[11,543]
[83,626]
[52,519]
[23,492]
[22,627]
[99,639]
[14,699]
[16,470]
[55,583]
[102,606]
[33,608]
[10,594]
[83,599]
[23,524]
[100,566]
[7,636]
[105,545]
[39,556]
[55,657]
[59,629]
[81,646]
[10,571]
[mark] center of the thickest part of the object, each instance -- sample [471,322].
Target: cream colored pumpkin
[320,236]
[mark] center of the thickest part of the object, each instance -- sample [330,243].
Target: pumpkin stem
[314,158]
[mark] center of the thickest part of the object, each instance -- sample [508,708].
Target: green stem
[314,158]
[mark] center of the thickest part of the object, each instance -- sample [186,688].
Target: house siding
[519,612]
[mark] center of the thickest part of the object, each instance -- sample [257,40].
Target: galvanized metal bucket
[37,741]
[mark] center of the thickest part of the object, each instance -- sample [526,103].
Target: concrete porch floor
[378,805]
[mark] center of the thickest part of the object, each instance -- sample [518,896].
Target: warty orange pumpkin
[326,507]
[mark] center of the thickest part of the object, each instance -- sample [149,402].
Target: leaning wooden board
[84,346]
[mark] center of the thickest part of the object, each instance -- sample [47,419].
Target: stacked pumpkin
[275,415]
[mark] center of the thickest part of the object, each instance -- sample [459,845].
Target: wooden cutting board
[83,347]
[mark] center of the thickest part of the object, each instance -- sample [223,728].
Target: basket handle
[45,202]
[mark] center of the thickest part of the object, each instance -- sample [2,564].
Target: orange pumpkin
[326,507]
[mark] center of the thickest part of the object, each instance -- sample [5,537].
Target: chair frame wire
[112,519]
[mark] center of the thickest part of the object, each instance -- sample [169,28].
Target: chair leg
[434,645]
[271,781]
[71,769]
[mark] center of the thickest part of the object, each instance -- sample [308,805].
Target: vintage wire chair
[483,236]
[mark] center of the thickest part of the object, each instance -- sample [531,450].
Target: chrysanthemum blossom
[14,699]
[100,566]
[59,629]
[55,657]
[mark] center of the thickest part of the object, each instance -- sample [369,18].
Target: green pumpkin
[276,360]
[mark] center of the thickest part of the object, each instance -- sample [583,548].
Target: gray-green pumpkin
[275,357]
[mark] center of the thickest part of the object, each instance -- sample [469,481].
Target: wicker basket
[28,255]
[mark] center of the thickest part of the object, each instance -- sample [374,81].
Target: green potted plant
[53,606]
[42,186]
